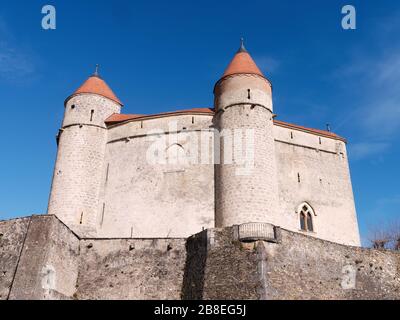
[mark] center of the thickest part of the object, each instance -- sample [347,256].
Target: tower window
[73,107]
[91,115]
[306,217]
[248,94]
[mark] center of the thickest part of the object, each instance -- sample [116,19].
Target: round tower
[243,108]
[78,173]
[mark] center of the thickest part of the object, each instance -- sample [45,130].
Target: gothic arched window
[306,214]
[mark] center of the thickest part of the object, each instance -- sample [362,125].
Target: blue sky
[320,72]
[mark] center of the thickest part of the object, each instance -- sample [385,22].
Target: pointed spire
[242,47]
[242,63]
[96,85]
[96,72]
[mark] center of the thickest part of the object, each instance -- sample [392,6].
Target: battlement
[41,258]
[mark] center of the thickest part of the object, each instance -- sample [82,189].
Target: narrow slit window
[91,115]
[107,173]
[248,94]
[102,214]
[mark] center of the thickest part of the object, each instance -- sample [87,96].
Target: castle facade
[174,174]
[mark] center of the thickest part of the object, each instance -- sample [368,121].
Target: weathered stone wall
[105,186]
[43,259]
[131,269]
[222,268]
[244,104]
[302,267]
[315,170]
[48,265]
[12,237]
[78,173]
[294,266]
[145,199]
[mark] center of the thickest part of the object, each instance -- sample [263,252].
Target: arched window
[176,158]
[306,214]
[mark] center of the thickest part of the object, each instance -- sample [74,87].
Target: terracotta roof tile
[98,86]
[117,118]
[316,131]
[242,63]
[121,118]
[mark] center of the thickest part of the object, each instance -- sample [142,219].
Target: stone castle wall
[247,195]
[133,190]
[77,178]
[315,170]
[244,105]
[104,185]
[41,258]
[171,199]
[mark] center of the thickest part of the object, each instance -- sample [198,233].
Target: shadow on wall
[196,257]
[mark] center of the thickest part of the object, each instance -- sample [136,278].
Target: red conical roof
[241,63]
[97,85]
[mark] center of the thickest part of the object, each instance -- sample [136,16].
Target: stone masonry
[105,186]
[41,258]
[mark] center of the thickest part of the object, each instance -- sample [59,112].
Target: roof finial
[96,73]
[328,127]
[242,48]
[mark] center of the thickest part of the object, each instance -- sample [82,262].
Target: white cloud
[374,80]
[382,118]
[358,151]
[15,63]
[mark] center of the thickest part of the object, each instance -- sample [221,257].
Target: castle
[105,186]
[131,195]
